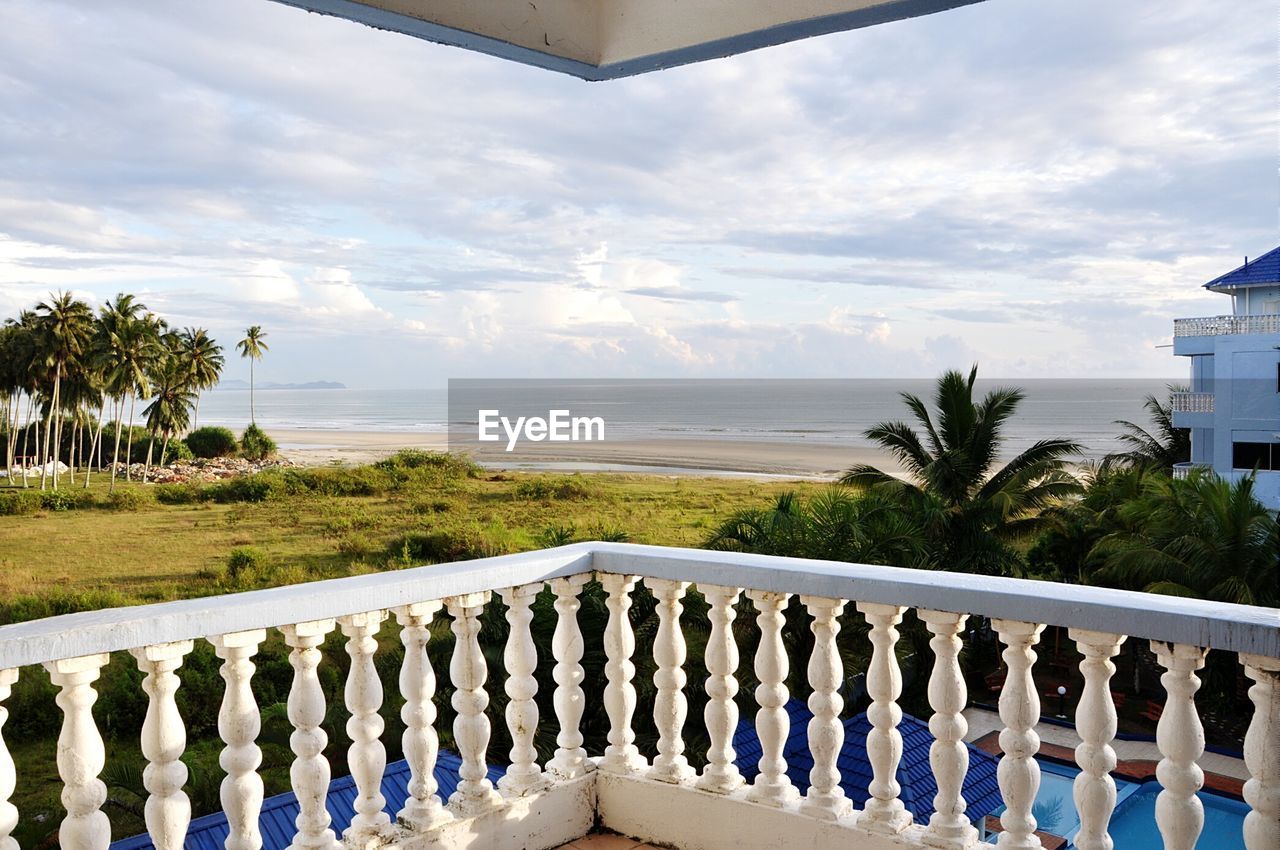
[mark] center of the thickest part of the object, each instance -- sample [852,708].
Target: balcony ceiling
[607,39]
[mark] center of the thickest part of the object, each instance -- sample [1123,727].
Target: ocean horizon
[817,411]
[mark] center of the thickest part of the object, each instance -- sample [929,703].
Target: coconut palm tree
[66,329]
[969,506]
[252,347]
[1162,449]
[128,355]
[1202,537]
[202,359]
[171,402]
[24,352]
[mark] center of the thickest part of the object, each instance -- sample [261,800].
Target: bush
[245,565]
[57,500]
[178,494]
[127,500]
[249,488]
[452,465]
[83,499]
[212,441]
[255,444]
[548,489]
[20,503]
[177,451]
[438,547]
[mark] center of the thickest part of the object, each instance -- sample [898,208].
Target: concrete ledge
[682,816]
[562,813]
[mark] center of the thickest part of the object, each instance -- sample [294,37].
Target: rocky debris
[34,470]
[202,470]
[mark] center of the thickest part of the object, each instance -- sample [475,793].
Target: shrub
[248,488]
[245,565]
[84,499]
[255,444]
[127,500]
[452,465]
[57,500]
[177,450]
[548,489]
[212,441]
[178,494]
[20,503]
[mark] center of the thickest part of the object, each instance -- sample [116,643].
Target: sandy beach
[663,456]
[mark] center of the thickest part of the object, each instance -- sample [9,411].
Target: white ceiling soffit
[607,39]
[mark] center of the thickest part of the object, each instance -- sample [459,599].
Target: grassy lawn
[93,556]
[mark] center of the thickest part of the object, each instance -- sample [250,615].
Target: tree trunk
[115,455]
[57,422]
[95,445]
[128,461]
[26,434]
[164,447]
[253,417]
[195,414]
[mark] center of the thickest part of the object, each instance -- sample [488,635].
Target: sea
[826,412]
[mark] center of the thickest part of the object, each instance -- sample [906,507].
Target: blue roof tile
[278,812]
[981,789]
[1262,271]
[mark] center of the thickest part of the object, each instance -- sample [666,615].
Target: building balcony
[1224,325]
[1183,470]
[1192,402]
[654,796]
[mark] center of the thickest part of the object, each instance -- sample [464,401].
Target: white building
[1233,408]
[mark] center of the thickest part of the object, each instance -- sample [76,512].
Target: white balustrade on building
[655,794]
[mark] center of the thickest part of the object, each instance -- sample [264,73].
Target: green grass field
[92,556]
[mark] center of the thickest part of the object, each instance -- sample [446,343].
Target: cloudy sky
[1037,186]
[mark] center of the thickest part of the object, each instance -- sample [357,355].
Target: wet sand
[675,456]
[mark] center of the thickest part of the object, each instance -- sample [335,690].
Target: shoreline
[679,457]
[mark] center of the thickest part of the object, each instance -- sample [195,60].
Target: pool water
[1133,824]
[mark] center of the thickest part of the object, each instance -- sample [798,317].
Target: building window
[1255,456]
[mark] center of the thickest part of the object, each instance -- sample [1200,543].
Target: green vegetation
[68,369]
[255,444]
[212,441]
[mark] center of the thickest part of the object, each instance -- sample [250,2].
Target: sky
[1038,187]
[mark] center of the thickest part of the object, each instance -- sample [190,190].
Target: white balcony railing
[1183,470]
[1192,402]
[1223,325]
[665,801]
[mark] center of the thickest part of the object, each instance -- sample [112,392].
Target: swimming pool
[1133,824]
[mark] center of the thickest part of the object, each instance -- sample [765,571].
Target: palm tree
[24,353]
[170,410]
[1164,448]
[1202,537]
[202,359]
[66,328]
[252,347]
[129,352]
[969,507]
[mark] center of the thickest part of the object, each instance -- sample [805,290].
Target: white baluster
[721,714]
[1095,790]
[884,811]
[366,757]
[309,773]
[621,756]
[239,723]
[948,828]
[771,787]
[1180,737]
[521,659]
[167,811]
[825,798]
[423,808]
[81,754]
[670,707]
[468,671]
[570,758]
[1262,754]
[8,774]
[1019,773]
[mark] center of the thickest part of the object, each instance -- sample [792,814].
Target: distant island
[236,384]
